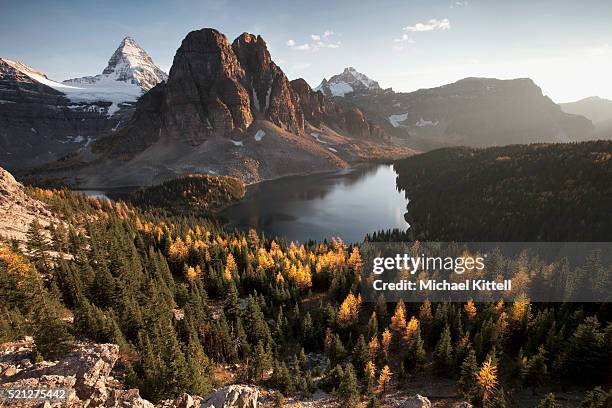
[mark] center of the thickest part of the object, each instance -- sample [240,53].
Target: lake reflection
[346,204]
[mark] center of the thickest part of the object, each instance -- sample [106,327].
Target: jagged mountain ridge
[473,112]
[42,120]
[227,108]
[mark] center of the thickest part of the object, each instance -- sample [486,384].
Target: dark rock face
[38,124]
[272,94]
[319,110]
[214,88]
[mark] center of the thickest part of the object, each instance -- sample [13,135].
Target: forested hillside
[538,192]
[185,300]
[194,194]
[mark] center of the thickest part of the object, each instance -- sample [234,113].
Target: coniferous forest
[193,305]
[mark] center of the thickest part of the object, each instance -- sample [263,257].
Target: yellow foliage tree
[384,378]
[398,320]
[192,273]
[411,329]
[386,341]
[486,378]
[470,309]
[373,345]
[178,251]
[264,259]
[230,267]
[349,310]
[520,308]
[279,278]
[355,261]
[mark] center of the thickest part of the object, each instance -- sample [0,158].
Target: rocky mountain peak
[218,89]
[349,81]
[253,52]
[131,64]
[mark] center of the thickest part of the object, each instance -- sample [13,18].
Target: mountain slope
[542,192]
[594,108]
[598,110]
[42,120]
[472,112]
[227,108]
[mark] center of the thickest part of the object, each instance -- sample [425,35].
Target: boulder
[233,396]
[416,401]
[127,399]
[84,373]
[463,404]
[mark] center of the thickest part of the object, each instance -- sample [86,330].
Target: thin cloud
[404,38]
[459,4]
[431,25]
[318,41]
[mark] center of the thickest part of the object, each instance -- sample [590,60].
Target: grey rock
[233,396]
[416,401]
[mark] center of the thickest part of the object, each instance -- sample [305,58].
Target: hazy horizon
[565,47]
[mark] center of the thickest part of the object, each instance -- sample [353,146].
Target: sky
[564,46]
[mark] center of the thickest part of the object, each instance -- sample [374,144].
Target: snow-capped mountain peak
[350,80]
[130,64]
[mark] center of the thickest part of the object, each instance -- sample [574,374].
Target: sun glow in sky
[564,46]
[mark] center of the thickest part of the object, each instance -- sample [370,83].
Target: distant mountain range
[42,120]
[598,110]
[472,112]
[227,108]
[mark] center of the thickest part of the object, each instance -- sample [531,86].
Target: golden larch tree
[398,320]
[486,378]
[384,378]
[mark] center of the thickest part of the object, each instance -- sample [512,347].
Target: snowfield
[422,123]
[396,119]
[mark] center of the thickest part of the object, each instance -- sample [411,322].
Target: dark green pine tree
[361,355]
[51,335]
[467,379]
[38,246]
[548,401]
[231,305]
[416,354]
[443,353]
[348,391]
[336,350]
[262,361]
[199,366]
[535,372]
[281,379]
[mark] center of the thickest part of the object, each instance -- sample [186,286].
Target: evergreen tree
[348,391]
[548,401]
[281,379]
[467,380]
[443,353]
[597,398]
[38,245]
[361,355]
[535,371]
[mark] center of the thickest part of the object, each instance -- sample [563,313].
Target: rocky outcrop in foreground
[86,375]
[18,210]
